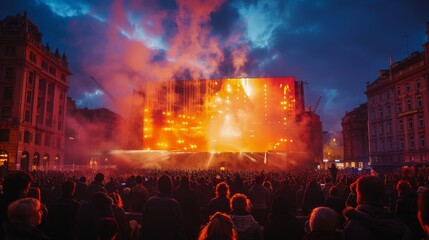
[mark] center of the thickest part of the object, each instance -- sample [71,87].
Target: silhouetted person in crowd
[406,207]
[260,198]
[370,220]
[80,192]
[107,229]
[221,202]
[313,197]
[289,194]
[34,192]
[269,187]
[24,216]
[62,213]
[246,226]
[124,232]
[281,222]
[352,198]
[90,214]
[237,186]
[335,201]
[15,186]
[187,197]
[162,215]
[96,186]
[323,225]
[423,211]
[220,227]
[111,185]
[334,171]
[138,196]
[325,189]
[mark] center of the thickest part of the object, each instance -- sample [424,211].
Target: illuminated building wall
[355,137]
[33,92]
[398,112]
[227,115]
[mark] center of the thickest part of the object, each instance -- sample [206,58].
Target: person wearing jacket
[162,215]
[24,215]
[370,220]
[246,226]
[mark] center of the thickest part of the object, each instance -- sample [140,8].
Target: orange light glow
[222,115]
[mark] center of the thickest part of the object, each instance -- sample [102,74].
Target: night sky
[336,46]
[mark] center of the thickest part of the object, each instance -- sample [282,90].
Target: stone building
[33,93]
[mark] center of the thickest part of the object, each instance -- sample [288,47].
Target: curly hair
[220,226]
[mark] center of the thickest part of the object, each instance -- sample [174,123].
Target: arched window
[25,158]
[57,161]
[36,160]
[4,157]
[45,161]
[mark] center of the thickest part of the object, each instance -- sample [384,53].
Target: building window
[412,143]
[399,106]
[52,70]
[10,73]
[421,121]
[380,112]
[419,101]
[38,139]
[44,65]
[381,128]
[410,123]
[422,141]
[58,142]
[401,124]
[63,77]
[373,115]
[374,131]
[9,51]
[7,93]
[418,84]
[27,115]
[374,145]
[29,97]
[32,57]
[60,125]
[4,135]
[389,144]
[407,87]
[401,143]
[27,137]
[6,112]
[47,140]
[408,104]
[31,78]
[388,110]
[389,127]
[398,90]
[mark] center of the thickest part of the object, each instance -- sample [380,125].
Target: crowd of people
[208,204]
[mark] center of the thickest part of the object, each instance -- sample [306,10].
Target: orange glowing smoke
[221,115]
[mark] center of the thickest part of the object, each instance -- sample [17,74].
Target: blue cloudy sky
[336,46]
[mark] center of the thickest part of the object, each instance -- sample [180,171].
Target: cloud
[66,8]
[330,44]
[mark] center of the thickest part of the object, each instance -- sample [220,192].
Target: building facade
[33,93]
[355,137]
[398,112]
